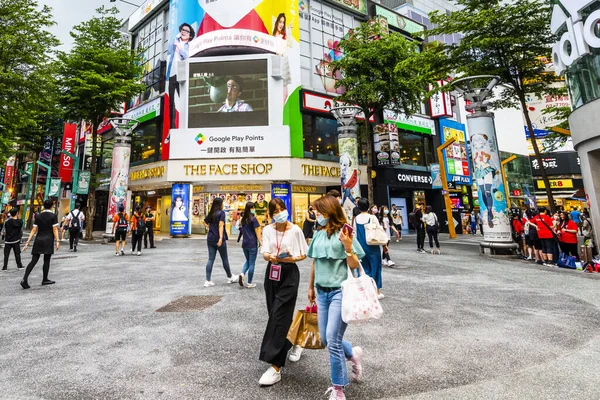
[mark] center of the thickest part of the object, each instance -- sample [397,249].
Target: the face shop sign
[410,178]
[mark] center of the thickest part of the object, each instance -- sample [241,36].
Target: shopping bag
[565,261]
[359,298]
[375,235]
[304,331]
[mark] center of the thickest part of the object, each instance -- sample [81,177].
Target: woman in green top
[333,250]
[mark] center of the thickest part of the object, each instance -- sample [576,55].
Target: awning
[557,195]
[579,195]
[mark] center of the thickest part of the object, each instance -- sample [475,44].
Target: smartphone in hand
[347,229]
[285,254]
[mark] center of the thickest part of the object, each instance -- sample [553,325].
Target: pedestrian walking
[480,223]
[119,230]
[283,246]
[251,241]
[149,233]
[567,235]
[217,241]
[385,220]
[430,220]
[45,231]
[138,228]
[333,250]
[397,220]
[416,219]
[74,224]
[473,222]
[309,224]
[371,262]
[12,231]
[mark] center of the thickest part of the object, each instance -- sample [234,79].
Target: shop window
[415,150]
[308,137]
[326,147]
[144,144]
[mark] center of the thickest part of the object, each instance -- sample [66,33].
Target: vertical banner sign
[10,171]
[283,191]
[381,142]
[119,180]
[54,187]
[65,170]
[487,172]
[436,176]
[45,156]
[349,173]
[456,156]
[180,209]
[83,182]
[5,197]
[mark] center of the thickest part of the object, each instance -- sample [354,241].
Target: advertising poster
[5,197]
[436,176]
[45,156]
[83,182]
[487,173]
[349,173]
[456,156]
[54,187]
[381,143]
[65,170]
[9,171]
[284,192]
[117,194]
[180,209]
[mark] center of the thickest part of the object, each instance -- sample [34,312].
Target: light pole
[348,149]
[487,168]
[446,193]
[119,178]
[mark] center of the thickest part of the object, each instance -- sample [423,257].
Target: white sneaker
[336,394]
[251,285]
[380,296]
[295,354]
[270,377]
[241,280]
[122,252]
[384,263]
[390,263]
[117,254]
[357,370]
[233,279]
[139,253]
[209,284]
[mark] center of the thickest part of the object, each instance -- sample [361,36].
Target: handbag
[565,261]
[359,298]
[304,331]
[375,234]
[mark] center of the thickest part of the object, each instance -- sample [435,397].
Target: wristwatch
[349,253]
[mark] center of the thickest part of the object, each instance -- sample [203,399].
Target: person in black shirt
[149,228]
[45,231]
[13,232]
[420,228]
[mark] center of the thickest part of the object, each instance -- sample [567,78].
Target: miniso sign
[580,35]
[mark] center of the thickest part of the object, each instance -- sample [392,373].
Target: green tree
[381,73]
[27,75]
[99,74]
[508,39]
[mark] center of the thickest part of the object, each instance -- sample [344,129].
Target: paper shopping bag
[304,331]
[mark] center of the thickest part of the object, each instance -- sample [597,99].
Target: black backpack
[412,218]
[140,224]
[75,223]
[122,224]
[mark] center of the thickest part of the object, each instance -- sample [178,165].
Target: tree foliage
[99,74]
[508,39]
[382,71]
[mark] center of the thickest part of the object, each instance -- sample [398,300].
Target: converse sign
[580,35]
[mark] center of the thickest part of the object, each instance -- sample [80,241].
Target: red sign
[10,172]
[516,192]
[322,104]
[65,171]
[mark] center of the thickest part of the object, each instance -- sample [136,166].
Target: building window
[321,141]
[415,150]
[144,144]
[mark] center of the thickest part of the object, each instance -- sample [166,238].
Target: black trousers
[149,234]
[16,248]
[281,302]
[420,238]
[433,236]
[570,249]
[136,240]
[34,259]
[73,237]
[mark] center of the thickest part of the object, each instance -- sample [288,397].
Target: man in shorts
[544,229]
[397,220]
[119,230]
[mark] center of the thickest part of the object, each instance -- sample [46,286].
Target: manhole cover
[63,257]
[190,303]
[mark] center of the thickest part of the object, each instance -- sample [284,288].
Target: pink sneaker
[336,394]
[357,370]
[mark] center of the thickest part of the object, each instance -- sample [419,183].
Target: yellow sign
[320,170]
[228,169]
[557,184]
[241,188]
[149,173]
[304,189]
[198,189]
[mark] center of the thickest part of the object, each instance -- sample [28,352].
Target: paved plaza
[456,326]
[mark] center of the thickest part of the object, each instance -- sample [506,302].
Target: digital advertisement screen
[228,93]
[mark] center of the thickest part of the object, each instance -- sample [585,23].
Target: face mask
[375,211]
[321,220]
[281,217]
[253,211]
[386,212]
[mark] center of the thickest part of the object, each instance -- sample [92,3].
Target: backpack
[122,223]
[412,218]
[75,222]
[140,225]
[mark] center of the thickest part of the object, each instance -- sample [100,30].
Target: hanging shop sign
[9,171]
[413,123]
[566,163]
[180,209]
[400,21]
[148,173]
[83,182]
[238,142]
[145,112]
[556,184]
[456,156]
[65,170]
[386,144]
[440,102]
[54,189]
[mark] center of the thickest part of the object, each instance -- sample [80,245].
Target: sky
[68,13]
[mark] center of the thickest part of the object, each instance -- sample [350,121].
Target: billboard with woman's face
[180,209]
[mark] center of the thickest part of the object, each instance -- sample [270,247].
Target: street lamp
[348,149]
[126,2]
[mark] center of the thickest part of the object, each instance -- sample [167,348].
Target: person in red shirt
[517,231]
[567,235]
[544,224]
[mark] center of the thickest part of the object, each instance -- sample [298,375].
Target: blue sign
[456,156]
[180,210]
[283,191]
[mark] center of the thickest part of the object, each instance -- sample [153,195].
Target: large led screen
[228,93]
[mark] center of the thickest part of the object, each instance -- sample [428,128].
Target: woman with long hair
[217,241]
[309,224]
[432,226]
[280,32]
[567,235]
[283,246]
[333,250]
[251,241]
[45,230]
[385,220]
[372,261]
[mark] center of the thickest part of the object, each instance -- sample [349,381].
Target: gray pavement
[455,326]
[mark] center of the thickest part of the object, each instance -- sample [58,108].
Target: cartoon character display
[485,171]
[325,70]
[349,178]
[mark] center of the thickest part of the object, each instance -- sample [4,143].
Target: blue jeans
[250,255]
[212,254]
[331,330]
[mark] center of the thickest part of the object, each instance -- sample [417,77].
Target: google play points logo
[200,138]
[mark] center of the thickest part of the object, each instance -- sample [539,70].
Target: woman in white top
[372,261]
[432,226]
[283,246]
[385,219]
